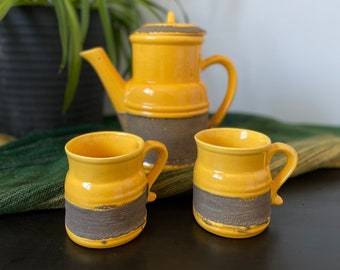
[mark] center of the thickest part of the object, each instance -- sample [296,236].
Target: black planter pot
[31,88]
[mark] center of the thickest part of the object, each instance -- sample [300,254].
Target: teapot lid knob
[171,27]
[171,18]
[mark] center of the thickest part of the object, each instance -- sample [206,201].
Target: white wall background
[287,55]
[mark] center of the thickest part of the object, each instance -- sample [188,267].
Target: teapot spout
[113,83]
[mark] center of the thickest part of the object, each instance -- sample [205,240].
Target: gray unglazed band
[176,133]
[106,221]
[232,211]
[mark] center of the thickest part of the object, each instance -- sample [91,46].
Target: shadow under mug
[106,187]
[233,189]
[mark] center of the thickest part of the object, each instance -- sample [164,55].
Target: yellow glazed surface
[106,172]
[106,168]
[234,164]
[166,81]
[229,231]
[107,243]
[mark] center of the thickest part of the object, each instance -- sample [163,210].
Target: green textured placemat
[33,168]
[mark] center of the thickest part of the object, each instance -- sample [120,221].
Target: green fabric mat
[33,168]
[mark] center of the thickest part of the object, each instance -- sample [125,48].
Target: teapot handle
[217,118]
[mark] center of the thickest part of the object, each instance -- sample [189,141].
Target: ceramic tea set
[165,99]
[164,113]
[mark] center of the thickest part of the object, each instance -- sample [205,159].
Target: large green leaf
[74,60]
[63,30]
[107,27]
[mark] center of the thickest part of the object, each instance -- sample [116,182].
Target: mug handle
[155,171]
[217,118]
[285,172]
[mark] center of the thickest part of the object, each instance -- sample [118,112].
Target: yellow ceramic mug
[233,188]
[106,188]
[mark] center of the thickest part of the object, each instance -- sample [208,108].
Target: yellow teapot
[165,99]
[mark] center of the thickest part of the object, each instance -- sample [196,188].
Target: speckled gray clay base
[232,211]
[193,30]
[106,222]
[176,133]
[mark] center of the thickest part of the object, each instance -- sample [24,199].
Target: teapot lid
[171,27]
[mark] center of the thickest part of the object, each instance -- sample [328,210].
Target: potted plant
[72,23]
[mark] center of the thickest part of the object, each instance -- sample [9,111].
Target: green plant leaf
[63,30]
[74,59]
[182,9]
[5,6]
[85,18]
[155,9]
[107,27]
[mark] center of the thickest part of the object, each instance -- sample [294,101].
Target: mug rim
[220,148]
[93,159]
